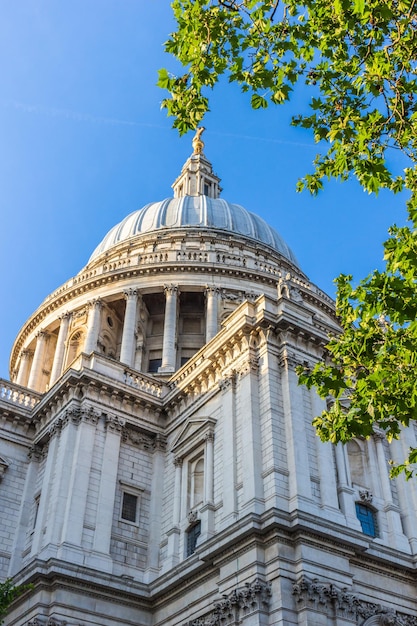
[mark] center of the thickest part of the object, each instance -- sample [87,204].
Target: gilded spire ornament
[198,143]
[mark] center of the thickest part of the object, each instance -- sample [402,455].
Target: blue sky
[83,142]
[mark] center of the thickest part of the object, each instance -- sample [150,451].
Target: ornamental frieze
[242,601]
[332,600]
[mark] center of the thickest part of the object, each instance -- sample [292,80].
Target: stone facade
[157,460]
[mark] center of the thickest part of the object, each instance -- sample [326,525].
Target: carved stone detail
[365,496]
[192,517]
[242,601]
[35,453]
[331,600]
[139,439]
[115,424]
[43,620]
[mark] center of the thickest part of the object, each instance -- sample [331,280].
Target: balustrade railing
[15,394]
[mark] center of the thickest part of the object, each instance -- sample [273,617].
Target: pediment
[192,434]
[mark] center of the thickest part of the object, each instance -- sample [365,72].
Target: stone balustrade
[15,394]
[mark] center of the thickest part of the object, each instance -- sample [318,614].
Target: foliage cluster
[357,60]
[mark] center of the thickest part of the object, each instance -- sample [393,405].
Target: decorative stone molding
[192,517]
[95,303]
[171,289]
[43,620]
[365,496]
[130,293]
[139,439]
[35,453]
[114,424]
[242,601]
[329,599]
[251,365]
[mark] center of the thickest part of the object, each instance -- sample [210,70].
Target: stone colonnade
[31,367]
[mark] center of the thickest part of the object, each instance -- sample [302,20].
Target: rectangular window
[154,365]
[35,516]
[192,535]
[129,507]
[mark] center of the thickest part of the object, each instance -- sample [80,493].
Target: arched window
[367,518]
[75,346]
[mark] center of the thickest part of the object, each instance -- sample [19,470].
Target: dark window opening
[367,519]
[192,536]
[129,507]
[154,365]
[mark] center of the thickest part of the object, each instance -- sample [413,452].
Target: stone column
[35,376]
[100,557]
[170,330]
[152,570]
[60,348]
[212,299]
[397,538]
[24,367]
[127,350]
[93,326]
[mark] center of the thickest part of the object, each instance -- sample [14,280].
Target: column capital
[41,334]
[26,353]
[178,462]
[171,290]
[96,303]
[212,290]
[65,316]
[115,424]
[130,294]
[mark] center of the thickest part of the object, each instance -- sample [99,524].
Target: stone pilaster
[93,325]
[158,465]
[169,352]
[100,557]
[326,463]
[76,498]
[407,490]
[174,532]
[127,350]
[60,482]
[212,306]
[42,517]
[396,536]
[252,499]
[345,491]
[295,426]
[228,404]
[60,348]
[35,455]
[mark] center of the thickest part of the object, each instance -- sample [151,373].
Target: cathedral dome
[193,212]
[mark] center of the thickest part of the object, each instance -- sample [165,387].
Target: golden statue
[198,143]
